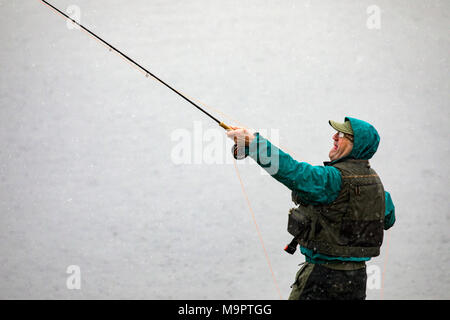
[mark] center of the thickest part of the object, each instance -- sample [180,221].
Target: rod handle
[226,127]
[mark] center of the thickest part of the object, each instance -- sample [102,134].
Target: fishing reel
[239,153]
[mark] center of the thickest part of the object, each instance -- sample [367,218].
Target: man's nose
[336,136]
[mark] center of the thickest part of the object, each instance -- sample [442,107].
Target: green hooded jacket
[319,184]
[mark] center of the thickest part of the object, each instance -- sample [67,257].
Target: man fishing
[342,207]
[341,211]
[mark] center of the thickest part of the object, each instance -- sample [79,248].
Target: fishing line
[257,230]
[190,100]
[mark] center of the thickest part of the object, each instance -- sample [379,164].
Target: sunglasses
[348,136]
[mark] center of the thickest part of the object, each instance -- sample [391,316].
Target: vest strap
[345,265]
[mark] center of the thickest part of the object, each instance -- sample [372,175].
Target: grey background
[86,175]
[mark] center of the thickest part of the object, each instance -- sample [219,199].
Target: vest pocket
[362,225]
[299,224]
[358,233]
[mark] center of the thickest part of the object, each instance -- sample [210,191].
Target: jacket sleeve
[314,184]
[389,213]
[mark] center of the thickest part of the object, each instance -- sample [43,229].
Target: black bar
[219,309]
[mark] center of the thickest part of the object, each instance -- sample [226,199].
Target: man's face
[342,146]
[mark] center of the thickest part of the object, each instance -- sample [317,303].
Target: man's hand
[241,136]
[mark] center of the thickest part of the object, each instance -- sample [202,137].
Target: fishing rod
[147,73]
[237,152]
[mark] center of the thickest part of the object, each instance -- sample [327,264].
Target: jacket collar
[348,158]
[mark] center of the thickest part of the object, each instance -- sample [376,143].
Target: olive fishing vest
[350,226]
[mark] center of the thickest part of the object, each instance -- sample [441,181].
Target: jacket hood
[366,139]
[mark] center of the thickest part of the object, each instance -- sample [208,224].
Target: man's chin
[333,154]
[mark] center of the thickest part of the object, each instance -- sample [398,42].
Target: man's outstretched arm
[315,184]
